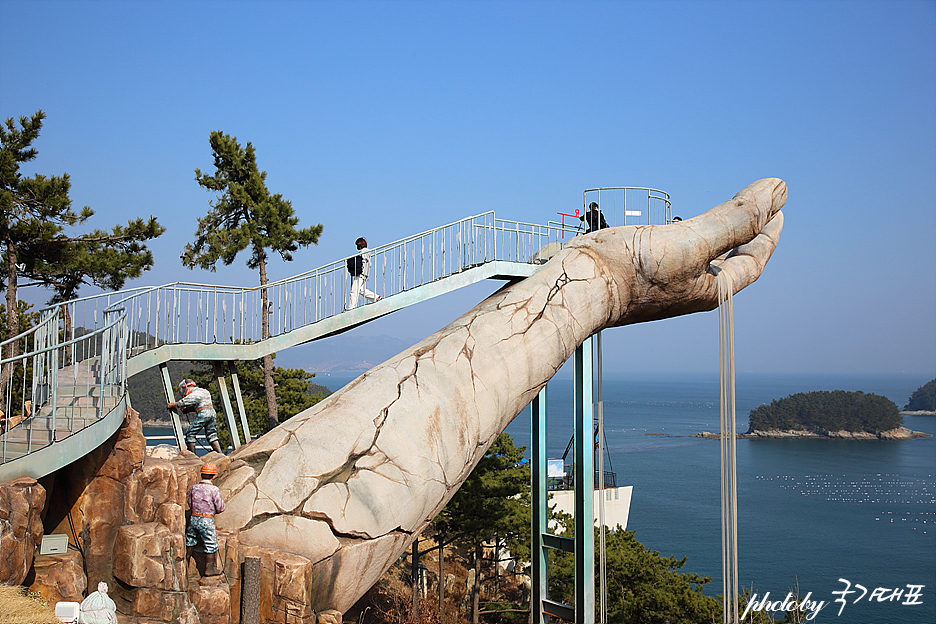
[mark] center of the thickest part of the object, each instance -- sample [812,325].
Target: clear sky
[384,119]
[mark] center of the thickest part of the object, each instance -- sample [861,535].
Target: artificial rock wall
[124,514]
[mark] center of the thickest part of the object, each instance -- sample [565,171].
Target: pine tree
[643,586]
[34,213]
[246,216]
[492,503]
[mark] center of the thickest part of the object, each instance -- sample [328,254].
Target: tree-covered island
[923,400]
[822,414]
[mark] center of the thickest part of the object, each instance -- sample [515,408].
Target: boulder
[21,504]
[329,616]
[150,555]
[212,599]
[59,577]
[285,584]
[144,605]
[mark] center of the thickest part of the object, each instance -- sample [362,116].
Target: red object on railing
[564,215]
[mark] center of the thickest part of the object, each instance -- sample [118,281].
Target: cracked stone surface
[349,483]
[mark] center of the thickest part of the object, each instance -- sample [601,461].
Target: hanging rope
[729,472]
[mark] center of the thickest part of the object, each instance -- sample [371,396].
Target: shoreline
[900,433]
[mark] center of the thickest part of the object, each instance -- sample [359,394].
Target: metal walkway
[70,384]
[67,391]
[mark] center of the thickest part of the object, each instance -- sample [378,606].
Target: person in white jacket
[359,272]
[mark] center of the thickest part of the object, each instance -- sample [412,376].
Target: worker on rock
[198,400]
[204,501]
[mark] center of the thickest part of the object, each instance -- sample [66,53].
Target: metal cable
[729,473]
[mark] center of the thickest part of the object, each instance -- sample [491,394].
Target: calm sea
[811,512]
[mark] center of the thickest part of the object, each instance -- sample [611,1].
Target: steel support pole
[584,486]
[540,506]
[226,402]
[170,398]
[239,399]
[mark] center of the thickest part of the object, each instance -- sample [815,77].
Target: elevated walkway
[66,394]
[81,353]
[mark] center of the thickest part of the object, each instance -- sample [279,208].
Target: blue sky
[388,118]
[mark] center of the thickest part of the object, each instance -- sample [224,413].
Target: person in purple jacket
[204,501]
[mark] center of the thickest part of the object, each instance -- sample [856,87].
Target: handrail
[21,336]
[45,415]
[638,205]
[67,343]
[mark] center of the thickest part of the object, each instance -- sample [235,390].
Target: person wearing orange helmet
[198,400]
[204,501]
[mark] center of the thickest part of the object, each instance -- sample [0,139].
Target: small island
[827,415]
[923,401]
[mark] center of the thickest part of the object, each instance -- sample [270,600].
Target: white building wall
[617,504]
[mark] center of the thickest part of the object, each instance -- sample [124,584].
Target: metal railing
[192,313]
[630,205]
[60,384]
[84,344]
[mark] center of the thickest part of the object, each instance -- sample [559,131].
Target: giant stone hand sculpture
[351,482]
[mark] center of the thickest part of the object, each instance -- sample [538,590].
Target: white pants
[359,289]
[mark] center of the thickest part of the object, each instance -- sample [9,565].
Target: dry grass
[18,608]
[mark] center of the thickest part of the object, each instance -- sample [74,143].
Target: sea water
[819,516]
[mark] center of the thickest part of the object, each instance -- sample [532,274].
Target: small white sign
[632,213]
[54,544]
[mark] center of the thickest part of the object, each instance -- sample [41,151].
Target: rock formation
[21,504]
[898,433]
[349,483]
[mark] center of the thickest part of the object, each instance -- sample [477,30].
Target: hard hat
[186,383]
[209,469]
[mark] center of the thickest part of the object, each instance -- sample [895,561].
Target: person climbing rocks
[198,400]
[593,218]
[204,501]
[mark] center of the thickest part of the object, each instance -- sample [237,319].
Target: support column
[584,486]
[239,399]
[583,545]
[540,508]
[226,402]
[170,398]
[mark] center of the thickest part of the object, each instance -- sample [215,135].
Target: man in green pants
[198,400]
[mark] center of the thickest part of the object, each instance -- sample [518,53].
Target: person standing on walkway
[198,400]
[593,218]
[359,268]
[204,501]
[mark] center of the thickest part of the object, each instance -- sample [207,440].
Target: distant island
[828,415]
[923,401]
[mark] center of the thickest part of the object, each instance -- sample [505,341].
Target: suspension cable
[729,472]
